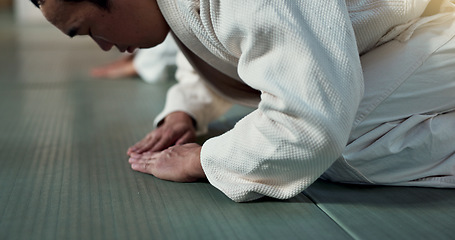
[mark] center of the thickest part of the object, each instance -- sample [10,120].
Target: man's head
[126,24]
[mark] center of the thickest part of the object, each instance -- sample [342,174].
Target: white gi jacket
[298,62]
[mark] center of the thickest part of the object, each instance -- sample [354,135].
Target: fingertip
[136,167]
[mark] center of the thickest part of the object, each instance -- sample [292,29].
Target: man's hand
[178,163]
[177,129]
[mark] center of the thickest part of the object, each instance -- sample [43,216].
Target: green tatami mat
[64,174]
[378,212]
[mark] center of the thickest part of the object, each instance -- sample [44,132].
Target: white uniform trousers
[404,131]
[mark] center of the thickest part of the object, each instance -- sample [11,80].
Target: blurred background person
[151,65]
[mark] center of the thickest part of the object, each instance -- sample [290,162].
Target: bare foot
[120,68]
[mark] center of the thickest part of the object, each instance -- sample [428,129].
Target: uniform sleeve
[302,56]
[192,96]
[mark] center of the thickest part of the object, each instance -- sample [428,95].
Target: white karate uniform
[403,133]
[298,62]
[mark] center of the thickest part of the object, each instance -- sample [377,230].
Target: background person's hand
[178,163]
[177,129]
[120,68]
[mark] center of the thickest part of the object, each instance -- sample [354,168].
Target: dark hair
[103,4]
